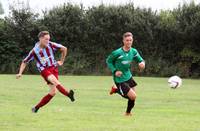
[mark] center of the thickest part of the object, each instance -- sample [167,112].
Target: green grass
[158,107]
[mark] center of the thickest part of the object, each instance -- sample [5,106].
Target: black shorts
[124,87]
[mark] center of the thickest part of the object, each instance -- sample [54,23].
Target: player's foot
[127,114]
[71,95]
[113,90]
[34,110]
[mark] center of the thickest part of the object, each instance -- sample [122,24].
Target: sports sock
[62,90]
[130,105]
[44,101]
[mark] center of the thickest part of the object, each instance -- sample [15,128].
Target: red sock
[44,101]
[62,90]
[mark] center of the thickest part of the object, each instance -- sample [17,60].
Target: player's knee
[132,95]
[57,83]
[53,92]
[53,80]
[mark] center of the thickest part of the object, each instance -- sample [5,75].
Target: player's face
[128,41]
[45,40]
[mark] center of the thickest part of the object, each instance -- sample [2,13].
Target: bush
[168,41]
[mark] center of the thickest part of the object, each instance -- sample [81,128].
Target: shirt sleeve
[110,61]
[137,57]
[29,57]
[55,46]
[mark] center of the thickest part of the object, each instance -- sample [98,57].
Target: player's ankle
[128,114]
[37,108]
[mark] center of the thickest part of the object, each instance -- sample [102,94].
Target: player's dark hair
[43,33]
[127,34]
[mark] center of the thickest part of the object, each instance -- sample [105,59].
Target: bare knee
[131,94]
[53,91]
[132,98]
[53,80]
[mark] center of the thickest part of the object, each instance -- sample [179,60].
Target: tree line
[169,40]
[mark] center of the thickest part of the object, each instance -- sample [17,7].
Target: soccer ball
[175,82]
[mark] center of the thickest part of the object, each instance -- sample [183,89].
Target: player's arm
[140,61]
[29,58]
[110,63]
[63,51]
[110,60]
[21,70]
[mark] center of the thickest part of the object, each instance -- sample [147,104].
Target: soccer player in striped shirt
[43,53]
[119,62]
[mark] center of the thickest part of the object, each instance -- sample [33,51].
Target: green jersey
[120,60]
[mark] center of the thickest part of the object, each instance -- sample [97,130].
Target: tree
[168,40]
[18,37]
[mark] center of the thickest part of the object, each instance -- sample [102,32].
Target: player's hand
[18,76]
[60,63]
[141,66]
[118,73]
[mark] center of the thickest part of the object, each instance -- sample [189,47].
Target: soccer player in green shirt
[119,62]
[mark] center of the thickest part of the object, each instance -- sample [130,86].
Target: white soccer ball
[175,82]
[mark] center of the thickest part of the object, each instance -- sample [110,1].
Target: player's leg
[131,101]
[70,93]
[131,95]
[46,98]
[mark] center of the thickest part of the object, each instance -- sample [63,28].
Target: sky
[39,5]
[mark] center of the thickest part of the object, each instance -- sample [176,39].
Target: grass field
[158,107]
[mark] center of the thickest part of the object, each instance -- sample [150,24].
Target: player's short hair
[43,33]
[127,34]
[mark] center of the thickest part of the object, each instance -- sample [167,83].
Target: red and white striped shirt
[44,56]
